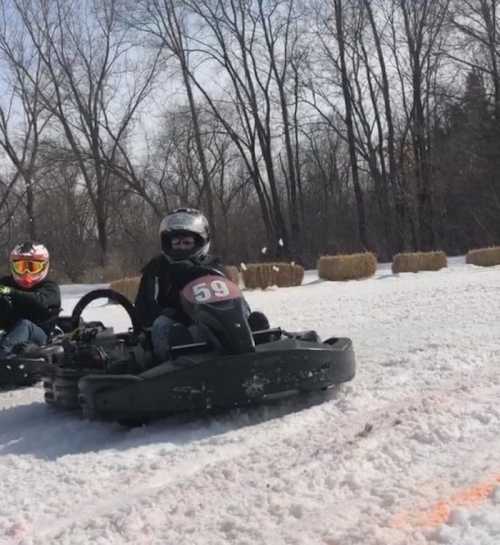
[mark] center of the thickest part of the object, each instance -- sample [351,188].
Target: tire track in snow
[341,447]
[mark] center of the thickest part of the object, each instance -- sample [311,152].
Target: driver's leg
[160,331]
[24,332]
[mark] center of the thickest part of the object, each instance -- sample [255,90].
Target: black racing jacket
[40,304]
[161,284]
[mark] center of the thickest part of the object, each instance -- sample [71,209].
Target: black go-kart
[115,376]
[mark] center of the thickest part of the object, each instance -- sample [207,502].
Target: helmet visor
[31,266]
[186,242]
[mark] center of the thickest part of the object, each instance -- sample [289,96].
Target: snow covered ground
[406,453]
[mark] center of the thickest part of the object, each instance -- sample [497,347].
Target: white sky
[405,454]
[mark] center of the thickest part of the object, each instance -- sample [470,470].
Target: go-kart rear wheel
[61,388]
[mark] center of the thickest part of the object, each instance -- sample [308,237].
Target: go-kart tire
[92,385]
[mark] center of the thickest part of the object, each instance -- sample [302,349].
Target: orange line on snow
[439,512]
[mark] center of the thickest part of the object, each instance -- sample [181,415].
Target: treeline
[299,127]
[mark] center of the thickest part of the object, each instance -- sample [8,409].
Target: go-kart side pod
[200,382]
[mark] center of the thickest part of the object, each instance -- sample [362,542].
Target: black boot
[258,321]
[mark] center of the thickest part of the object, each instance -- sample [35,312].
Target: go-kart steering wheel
[101,294]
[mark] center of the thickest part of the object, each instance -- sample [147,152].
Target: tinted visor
[23,266]
[182,249]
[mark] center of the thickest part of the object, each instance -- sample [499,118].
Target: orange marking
[439,512]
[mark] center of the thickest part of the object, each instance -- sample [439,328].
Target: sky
[405,453]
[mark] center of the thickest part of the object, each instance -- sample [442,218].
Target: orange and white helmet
[29,264]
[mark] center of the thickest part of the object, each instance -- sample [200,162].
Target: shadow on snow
[41,431]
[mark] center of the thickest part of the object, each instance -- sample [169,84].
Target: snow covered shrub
[127,287]
[263,275]
[484,257]
[419,261]
[347,267]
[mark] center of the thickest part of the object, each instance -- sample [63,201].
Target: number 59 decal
[210,289]
[206,291]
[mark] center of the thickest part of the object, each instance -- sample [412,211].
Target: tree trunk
[351,141]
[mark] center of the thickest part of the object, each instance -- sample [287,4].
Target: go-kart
[115,376]
[26,367]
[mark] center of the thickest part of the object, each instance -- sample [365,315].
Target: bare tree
[334,72]
[95,87]
[69,234]
[387,153]
[235,42]
[165,20]
[23,116]
[420,27]
[478,46]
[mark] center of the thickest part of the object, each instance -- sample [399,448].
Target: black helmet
[185,221]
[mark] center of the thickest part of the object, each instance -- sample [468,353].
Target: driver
[185,242]
[29,303]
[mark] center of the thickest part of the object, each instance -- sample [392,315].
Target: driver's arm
[43,301]
[146,306]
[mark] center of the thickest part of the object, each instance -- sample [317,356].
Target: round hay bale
[249,274]
[257,275]
[297,275]
[127,287]
[407,262]
[433,261]
[263,275]
[288,275]
[347,267]
[232,273]
[419,261]
[484,257]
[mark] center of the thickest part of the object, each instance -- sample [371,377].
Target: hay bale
[288,274]
[232,273]
[127,287]
[347,267]
[484,257]
[419,261]
[263,275]
[408,262]
[249,275]
[266,275]
[433,261]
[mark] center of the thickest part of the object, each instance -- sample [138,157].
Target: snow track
[407,453]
